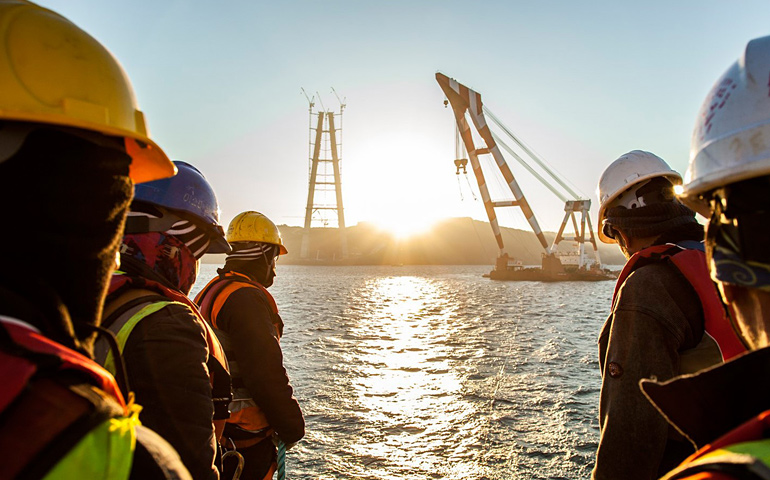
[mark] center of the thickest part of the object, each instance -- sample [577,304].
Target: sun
[397,188]
[404,228]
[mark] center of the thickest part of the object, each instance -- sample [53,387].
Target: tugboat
[552,270]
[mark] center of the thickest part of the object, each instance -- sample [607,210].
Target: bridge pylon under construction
[324,199]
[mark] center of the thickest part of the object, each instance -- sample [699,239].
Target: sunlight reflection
[407,386]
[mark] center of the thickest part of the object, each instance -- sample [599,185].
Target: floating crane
[555,267]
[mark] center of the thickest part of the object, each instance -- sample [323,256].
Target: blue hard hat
[189,194]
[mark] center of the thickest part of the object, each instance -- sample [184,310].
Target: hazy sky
[580,82]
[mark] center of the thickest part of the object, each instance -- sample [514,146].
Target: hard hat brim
[219,245]
[604,238]
[148,161]
[693,191]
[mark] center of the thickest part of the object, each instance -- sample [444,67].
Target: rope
[281,471]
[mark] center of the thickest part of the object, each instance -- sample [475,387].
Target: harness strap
[221,393]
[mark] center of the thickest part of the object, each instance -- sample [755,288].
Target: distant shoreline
[453,241]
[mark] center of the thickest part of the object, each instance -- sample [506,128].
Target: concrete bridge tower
[324,199]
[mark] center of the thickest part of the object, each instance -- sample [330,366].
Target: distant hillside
[455,241]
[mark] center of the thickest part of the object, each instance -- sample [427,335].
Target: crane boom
[467,103]
[464,100]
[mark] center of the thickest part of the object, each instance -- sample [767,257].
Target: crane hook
[461,163]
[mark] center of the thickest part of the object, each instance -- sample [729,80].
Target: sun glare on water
[407,383]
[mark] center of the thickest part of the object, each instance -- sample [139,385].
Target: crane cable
[462,153]
[470,187]
[534,157]
[529,168]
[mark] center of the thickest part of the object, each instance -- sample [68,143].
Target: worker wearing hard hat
[666,317]
[72,142]
[175,363]
[725,409]
[245,317]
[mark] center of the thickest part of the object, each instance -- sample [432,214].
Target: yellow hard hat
[254,227]
[55,73]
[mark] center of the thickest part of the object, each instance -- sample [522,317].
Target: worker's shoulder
[655,282]
[659,272]
[172,314]
[173,327]
[247,292]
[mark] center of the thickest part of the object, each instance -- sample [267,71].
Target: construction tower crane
[467,103]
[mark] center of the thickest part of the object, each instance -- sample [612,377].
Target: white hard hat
[731,139]
[635,168]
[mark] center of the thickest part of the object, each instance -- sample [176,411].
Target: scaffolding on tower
[324,200]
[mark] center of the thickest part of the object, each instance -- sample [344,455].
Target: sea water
[425,372]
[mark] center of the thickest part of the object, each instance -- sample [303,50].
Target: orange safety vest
[245,413]
[691,262]
[219,370]
[43,432]
[742,453]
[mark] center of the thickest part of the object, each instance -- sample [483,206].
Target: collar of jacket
[706,405]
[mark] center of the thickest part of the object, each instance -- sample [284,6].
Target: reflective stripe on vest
[124,325]
[219,371]
[106,451]
[744,452]
[692,264]
[244,412]
[116,437]
[119,280]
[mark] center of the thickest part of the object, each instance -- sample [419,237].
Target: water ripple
[435,372]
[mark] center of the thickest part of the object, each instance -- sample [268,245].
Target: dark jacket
[153,458]
[706,405]
[656,318]
[165,358]
[246,317]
